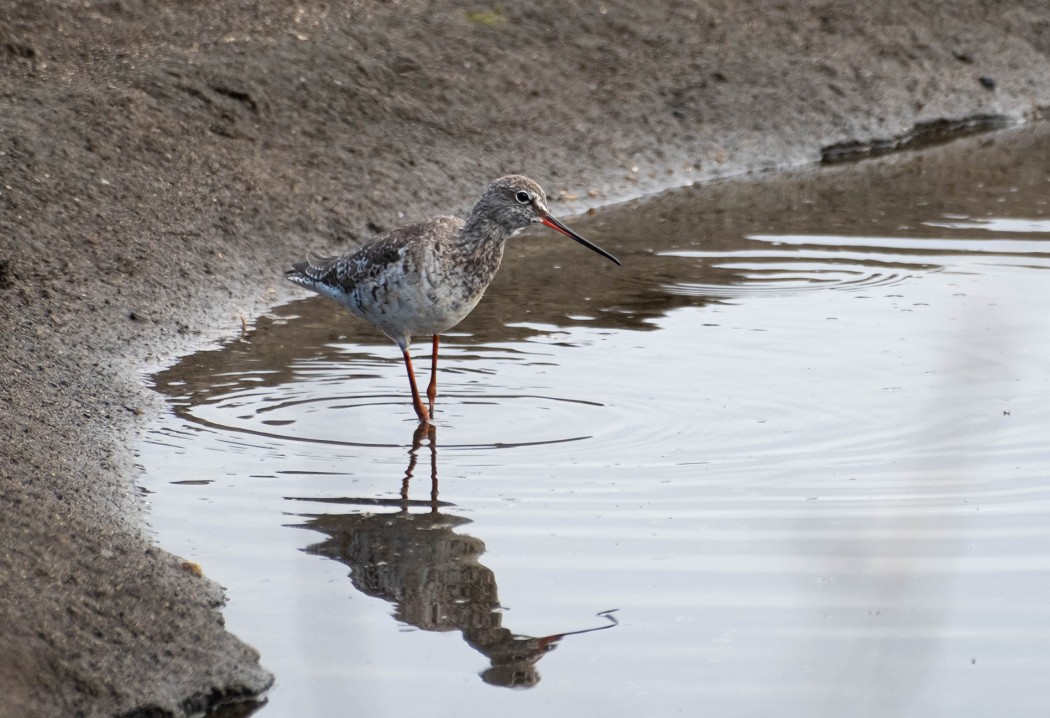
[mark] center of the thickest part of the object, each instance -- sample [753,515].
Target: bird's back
[374,261]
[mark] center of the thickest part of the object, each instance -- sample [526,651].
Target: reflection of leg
[432,390]
[408,476]
[421,411]
[433,469]
[423,431]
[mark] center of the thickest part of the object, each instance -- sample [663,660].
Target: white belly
[405,307]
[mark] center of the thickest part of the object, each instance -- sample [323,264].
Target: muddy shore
[161,163]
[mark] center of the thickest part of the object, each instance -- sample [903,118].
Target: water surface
[791,459]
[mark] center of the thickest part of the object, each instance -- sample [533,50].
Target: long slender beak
[556,225]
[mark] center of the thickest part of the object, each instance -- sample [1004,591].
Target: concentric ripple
[337,403]
[788,272]
[789,264]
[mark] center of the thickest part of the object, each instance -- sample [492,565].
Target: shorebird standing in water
[426,278]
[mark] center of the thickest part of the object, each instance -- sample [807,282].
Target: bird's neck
[479,231]
[481,244]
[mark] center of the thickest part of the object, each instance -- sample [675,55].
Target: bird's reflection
[431,573]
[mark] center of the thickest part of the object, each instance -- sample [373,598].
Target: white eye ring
[523,197]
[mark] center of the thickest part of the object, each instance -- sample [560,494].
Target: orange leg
[421,411]
[432,390]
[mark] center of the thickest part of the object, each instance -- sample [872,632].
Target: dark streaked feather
[365,264]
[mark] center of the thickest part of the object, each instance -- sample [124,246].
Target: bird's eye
[523,197]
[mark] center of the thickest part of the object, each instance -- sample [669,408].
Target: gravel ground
[161,162]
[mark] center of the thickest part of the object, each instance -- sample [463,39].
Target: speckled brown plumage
[426,278]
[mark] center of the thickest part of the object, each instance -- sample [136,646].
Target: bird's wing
[373,260]
[348,270]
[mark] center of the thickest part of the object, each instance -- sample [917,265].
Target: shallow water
[791,459]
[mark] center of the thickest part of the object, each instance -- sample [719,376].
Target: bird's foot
[423,415]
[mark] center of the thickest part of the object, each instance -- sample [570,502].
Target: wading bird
[424,279]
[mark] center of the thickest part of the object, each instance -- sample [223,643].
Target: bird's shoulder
[434,231]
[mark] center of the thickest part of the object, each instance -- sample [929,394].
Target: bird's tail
[311,271]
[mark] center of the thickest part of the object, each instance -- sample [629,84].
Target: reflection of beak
[549,643]
[555,224]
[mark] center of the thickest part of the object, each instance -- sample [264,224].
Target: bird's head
[514,202]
